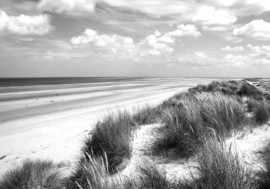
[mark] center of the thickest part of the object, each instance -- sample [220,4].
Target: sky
[148,38]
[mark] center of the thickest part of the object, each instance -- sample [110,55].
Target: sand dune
[50,122]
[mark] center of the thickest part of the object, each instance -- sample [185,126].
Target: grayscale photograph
[134,94]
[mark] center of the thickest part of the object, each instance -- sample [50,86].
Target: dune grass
[111,137]
[33,174]
[236,88]
[220,168]
[183,129]
[93,173]
[197,117]
[260,110]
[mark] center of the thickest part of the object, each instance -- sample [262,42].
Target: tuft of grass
[183,129]
[222,113]
[260,110]
[32,175]
[147,115]
[219,168]
[93,173]
[112,137]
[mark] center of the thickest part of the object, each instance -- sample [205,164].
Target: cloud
[201,59]
[24,24]
[258,51]
[257,29]
[263,62]
[80,7]
[92,37]
[208,12]
[244,61]
[208,15]
[155,44]
[242,7]
[236,61]
[232,49]
[184,30]
[158,44]
[73,7]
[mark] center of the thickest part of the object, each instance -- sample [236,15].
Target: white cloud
[258,51]
[257,29]
[24,24]
[235,61]
[262,62]
[232,49]
[75,7]
[158,44]
[209,15]
[200,59]
[92,37]
[154,52]
[244,61]
[184,30]
[155,45]
[157,33]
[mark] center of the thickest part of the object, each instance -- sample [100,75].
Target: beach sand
[51,121]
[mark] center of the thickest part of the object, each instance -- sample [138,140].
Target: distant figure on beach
[37,98]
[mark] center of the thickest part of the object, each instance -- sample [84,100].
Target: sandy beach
[51,121]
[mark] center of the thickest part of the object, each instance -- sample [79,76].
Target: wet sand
[51,121]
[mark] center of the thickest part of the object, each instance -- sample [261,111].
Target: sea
[13,82]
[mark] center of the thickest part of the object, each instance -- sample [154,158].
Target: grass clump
[260,110]
[111,137]
[33,175]
[147,115]
[219,168]
[93,173]
[183,129]
[222,113]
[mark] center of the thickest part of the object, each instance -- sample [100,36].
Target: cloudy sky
[203,38]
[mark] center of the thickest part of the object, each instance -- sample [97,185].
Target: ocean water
[12,82]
